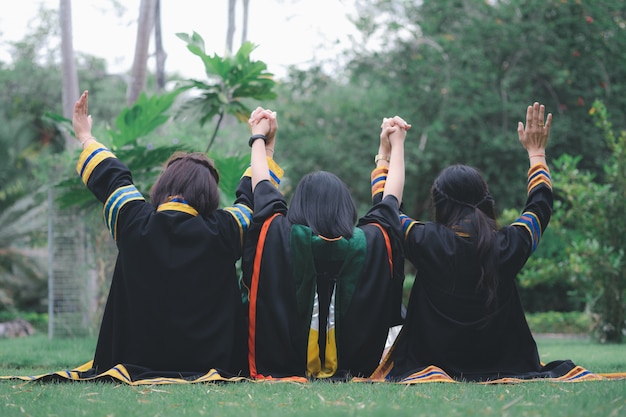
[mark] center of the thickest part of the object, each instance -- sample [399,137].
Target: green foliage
[38,320]
[30,86]
[588,228]
[25,140]
[230,169]
[22,260]
[141,119]
[598,213]
[463,72]
[231,79]
[30,141]
[131,127]
[545,282]
[326,126]
[31,144]
[581,256]
[571,322]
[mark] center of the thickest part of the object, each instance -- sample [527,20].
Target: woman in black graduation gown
[322,293]
[174,307]
[464,313]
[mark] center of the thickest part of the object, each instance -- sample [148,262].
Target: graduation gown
[320,308]
[174,306]
[447,323]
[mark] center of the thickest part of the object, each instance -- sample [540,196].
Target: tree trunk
[244,29]
[161,55]
[230,29]
[70,77]
[139,70]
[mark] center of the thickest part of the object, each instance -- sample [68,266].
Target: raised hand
[534,135]
[81,120]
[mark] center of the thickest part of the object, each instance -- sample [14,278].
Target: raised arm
[534,135]
[263,126]
[538,209]
[392,135]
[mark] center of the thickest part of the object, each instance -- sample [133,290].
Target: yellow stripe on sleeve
[90,158]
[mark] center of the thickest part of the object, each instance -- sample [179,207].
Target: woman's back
[319,307]
[464,313]
[174,301]
[173,307]
[452,324]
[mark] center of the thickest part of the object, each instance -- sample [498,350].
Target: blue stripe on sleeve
[114,204]
[531,223]
[90,157]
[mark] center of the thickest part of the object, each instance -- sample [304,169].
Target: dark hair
[191,176]
[461,194]
[323,202]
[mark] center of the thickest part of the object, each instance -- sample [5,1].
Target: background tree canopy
[462,72]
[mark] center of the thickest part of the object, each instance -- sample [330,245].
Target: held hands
[534,136]
[263,121]
[391,151]
[81,120]
[393,132]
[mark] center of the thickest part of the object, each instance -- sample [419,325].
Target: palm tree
[160,53]
[244,29]
[231,27]
[139,70]
[70,76]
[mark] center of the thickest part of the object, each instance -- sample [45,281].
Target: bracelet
[270,149]
[542,155]
[255,137]
[82,142]
[381,156]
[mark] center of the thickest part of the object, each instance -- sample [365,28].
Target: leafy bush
[572,322]
[38,320]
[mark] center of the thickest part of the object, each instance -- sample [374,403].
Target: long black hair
[323,202]
[461,195]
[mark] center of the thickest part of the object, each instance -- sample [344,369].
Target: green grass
[37,354]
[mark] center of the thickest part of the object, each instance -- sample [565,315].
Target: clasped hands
[393,132]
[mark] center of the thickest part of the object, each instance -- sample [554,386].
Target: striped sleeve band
[379,178]
[531,223]
[114,204]
[407,223]
[242,215]
[538,174]
[89,158]
[276,172]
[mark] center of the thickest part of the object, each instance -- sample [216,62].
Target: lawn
[37,354]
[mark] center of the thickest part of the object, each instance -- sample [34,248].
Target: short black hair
[191,176]
[322,201]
